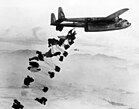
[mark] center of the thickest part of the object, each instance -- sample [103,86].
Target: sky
[26,24]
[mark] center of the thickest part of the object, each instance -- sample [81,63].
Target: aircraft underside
[93,28]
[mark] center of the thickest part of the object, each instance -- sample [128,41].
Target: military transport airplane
[91,24]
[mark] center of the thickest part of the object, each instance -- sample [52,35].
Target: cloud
[34,35]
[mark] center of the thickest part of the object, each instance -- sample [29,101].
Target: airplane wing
[116,14]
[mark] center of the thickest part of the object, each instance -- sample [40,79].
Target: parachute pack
[43,64]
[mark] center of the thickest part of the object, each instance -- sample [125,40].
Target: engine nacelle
[59,28]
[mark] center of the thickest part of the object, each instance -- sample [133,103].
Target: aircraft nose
[129,24]
[126,23]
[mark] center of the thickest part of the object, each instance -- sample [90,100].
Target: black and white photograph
[69,54]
